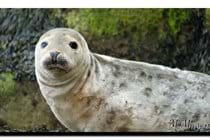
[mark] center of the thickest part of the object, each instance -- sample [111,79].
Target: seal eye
[73,45]
[44,44]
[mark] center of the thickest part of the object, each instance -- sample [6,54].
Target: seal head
[60,55]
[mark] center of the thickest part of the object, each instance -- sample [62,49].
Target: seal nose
[54,56]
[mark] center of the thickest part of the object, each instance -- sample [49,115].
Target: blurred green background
[170,37]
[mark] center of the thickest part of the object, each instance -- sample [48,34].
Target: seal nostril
[54,56]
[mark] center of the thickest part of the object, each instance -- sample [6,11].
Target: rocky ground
[27,111]
[22,108]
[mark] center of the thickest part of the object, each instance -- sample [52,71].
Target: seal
[92,92]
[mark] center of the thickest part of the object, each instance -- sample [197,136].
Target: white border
[104,3]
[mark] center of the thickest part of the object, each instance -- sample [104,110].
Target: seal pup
[91,92]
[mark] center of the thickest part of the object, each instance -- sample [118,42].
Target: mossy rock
[7,84]
[27,111]
[138,24]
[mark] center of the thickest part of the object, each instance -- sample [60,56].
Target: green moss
[175,19]
[7,84]
[139,25]
[111,22]
[208,17]
[27,110]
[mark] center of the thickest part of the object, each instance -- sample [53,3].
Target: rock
[27,111]
[20,36]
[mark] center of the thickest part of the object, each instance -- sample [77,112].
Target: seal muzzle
[55,61]
[54,56]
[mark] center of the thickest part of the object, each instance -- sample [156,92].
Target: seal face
[58,53]
[92,92]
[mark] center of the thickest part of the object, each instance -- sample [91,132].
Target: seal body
[93,92]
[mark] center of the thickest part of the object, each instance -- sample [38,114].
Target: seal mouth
[58,65]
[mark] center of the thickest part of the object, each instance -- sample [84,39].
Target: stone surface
[19,32]
[27,111]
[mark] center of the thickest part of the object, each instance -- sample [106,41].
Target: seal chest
[92,92]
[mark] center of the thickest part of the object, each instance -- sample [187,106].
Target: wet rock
[19,32]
